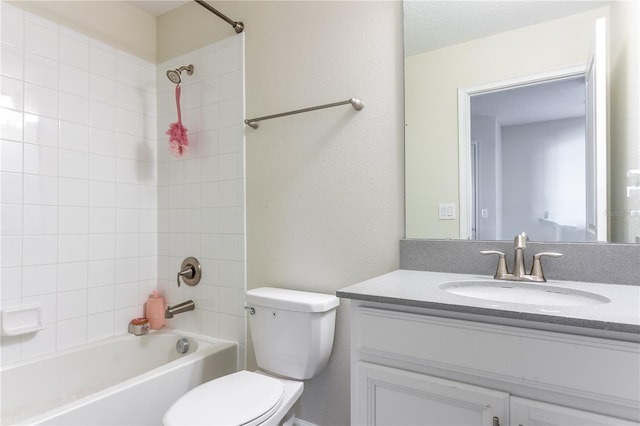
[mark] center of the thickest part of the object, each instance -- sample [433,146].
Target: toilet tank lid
[291,300]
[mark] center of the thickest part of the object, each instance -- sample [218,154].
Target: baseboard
[300,422]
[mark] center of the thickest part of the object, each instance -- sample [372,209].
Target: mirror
[454,45]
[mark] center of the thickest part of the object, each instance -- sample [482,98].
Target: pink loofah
[178,141]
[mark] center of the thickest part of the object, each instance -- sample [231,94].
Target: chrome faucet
[179,308]
[519,269]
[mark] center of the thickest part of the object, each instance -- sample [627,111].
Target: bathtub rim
[120,336]
[212,346]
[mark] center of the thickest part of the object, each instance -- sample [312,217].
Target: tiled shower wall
[201,195]
[86,224]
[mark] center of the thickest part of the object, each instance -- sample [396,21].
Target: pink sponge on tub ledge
[178,140]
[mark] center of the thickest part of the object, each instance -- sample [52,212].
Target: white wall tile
[11,124]
[74,108]
[40,130]
[74,50]
[94,157]
[102,168]
[73,136]
[11,188]
[71,332]
[128,146]
[40,100]
[127,245]
[102,89]
[11,156]
[41,190]
[102,115]
[40,279]
[101,272]
[73,220]
[72,276]
[102,246]
[40,220]
[10,346]
[74,80]
[101,299]
[72,304]
[10,283]
[100,325]
[127,221]
[127,69]
[102,220]
[126,295]
[101,61]
[40,160]
[12,64]
[126,170]
[40,343]
[39,250]
[11,219]
[11,253]
[102,194]
[12,26]
[73,192]
[72,248]
[126,195]
[12,93]
[102,141]
[73,164]
[40,40]
[41,71]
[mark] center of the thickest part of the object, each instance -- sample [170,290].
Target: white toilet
[292,334]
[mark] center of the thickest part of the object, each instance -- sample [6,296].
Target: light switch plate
[446,211]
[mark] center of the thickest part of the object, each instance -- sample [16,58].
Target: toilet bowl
[293,338]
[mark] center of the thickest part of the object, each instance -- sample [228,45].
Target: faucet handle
[502,270]
[520,241]
[536,268]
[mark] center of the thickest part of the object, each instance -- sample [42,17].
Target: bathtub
[124,380]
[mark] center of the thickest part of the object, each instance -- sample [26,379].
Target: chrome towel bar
[254,122]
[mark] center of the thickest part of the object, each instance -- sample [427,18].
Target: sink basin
[523,293]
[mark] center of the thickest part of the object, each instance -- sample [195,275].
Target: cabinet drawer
[583,366]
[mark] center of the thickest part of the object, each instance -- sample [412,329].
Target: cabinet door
[390,396]
[526,412]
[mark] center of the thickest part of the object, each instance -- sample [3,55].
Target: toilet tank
[292,331]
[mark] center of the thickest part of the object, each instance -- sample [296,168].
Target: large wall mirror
[506,129]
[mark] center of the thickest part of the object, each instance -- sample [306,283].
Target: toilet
[292,334]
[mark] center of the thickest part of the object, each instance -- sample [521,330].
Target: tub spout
[179,308]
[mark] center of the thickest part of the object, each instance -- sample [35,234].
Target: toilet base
[284,416]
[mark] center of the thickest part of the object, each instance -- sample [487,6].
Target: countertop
[619,318]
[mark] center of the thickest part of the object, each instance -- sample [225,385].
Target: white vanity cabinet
[409,368]
[528,412]
[391,396]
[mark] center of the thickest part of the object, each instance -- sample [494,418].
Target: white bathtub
[125,380]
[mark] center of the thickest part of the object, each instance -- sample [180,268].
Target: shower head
[174,75]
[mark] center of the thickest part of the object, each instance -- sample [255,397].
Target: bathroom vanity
[425,352]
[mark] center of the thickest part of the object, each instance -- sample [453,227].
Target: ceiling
[432,24]
[158,7]
[554,100]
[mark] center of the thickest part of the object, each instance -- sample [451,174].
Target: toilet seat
[241,398]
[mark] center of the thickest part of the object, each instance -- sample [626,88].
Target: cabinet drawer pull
[496,421]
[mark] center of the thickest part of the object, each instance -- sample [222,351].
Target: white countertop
[420,289]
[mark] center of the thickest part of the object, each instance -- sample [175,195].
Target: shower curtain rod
[238,26]
[254,122]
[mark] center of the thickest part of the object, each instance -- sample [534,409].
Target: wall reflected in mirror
[471,44]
